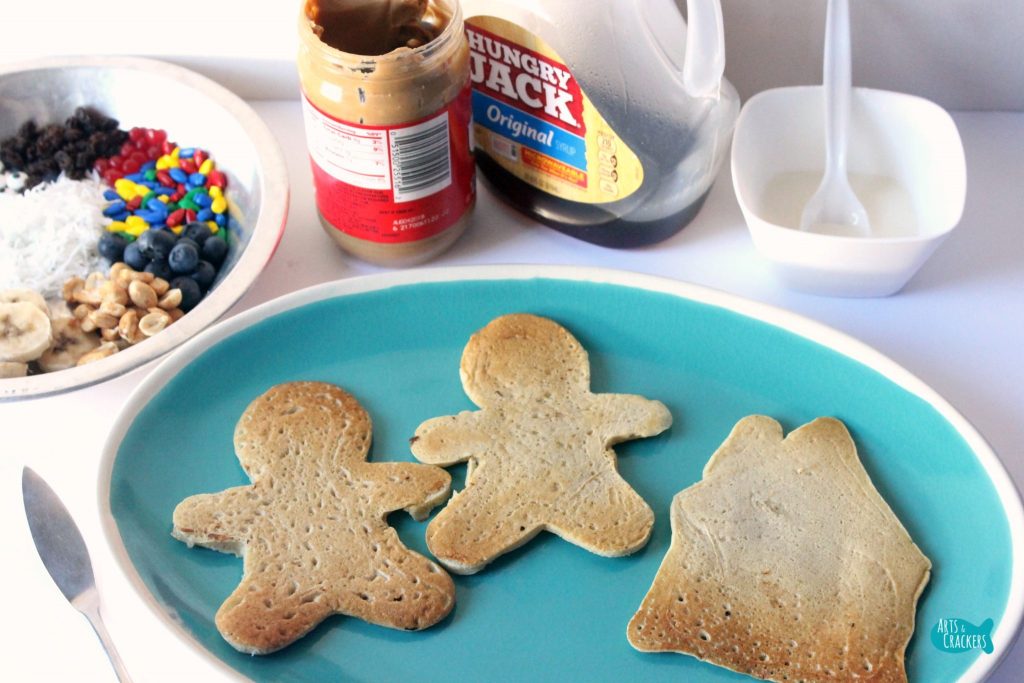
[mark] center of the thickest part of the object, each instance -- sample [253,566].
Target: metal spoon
[63,552]
[834,208]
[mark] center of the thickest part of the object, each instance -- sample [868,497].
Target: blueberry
[190,292]
[145,243]
[111,246]
[133,257]
[204,275]
[197,231]
[159,268]
[183,258]
[214,251]
[163,242]
[187,240]
[156,244]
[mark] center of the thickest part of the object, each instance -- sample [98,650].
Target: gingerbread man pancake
[539,449]
[311,527]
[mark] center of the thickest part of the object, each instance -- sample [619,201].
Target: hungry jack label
[531,117]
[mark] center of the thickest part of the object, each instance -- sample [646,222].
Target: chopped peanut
[123,308]
[172,299]
[102,351]
[142,294]
[154,322]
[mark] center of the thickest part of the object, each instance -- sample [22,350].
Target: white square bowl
[905,138]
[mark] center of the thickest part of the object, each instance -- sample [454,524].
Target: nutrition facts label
[353,155]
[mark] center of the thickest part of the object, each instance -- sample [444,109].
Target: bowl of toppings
[138,202]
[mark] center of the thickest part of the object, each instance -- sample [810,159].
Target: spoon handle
[836,79]
[90,607]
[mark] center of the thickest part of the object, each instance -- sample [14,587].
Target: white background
[963,54]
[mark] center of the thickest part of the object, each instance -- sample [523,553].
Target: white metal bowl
[196,112]
[894,136]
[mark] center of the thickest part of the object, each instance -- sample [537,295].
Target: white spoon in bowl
[834,208]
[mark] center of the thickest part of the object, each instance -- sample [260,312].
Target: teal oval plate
[550,611]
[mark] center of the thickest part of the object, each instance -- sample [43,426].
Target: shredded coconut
[50,233]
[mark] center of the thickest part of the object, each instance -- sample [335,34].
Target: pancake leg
[408,591]
[471,530]
[266,612]
[590,524]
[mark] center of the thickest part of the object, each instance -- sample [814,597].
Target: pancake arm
[628,416]
[222,521]
[412,487]
[450,439]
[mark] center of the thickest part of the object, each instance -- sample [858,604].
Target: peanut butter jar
[386,103]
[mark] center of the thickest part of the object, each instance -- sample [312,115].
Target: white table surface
[959,326]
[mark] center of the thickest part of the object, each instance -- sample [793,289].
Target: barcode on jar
[420,159]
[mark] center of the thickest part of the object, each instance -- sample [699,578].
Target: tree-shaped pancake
[311,528]
[539,449]
[786,563]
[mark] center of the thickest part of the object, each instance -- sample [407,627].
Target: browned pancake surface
[539,449]
[786,563]
[311,527]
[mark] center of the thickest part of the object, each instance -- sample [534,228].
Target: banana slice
[8,370]
[70,343]
[13,296]
[24,331]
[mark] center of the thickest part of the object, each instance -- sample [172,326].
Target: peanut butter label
[392,184]
[530,116]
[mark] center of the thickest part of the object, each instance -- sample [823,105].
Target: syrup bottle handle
[704,61]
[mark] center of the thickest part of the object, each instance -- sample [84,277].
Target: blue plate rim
[807,328]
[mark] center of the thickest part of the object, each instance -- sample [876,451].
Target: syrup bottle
[607,121]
